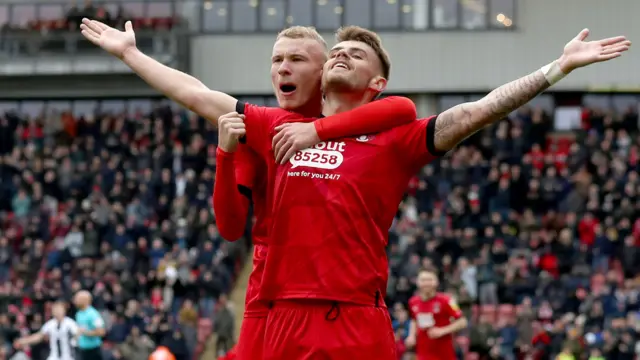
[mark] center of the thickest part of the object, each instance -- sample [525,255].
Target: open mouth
[340,65]
[287,88]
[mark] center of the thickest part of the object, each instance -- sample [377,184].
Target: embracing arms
[238,171]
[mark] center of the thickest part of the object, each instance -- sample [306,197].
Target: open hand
[114,41]
[578,52]
[292,137]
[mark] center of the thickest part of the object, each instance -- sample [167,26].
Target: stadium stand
[118,203]
[535,231]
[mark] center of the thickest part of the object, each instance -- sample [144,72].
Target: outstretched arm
[461,121]
[29,340]
[371,118]
[180,87]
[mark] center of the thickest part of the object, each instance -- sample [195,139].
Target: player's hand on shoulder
[114,41]
[291,138]
[230,129]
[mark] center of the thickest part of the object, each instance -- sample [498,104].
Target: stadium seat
[488,311]
[472,356]
[506,312]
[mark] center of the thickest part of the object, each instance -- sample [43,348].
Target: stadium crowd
[118,204]
[536,235]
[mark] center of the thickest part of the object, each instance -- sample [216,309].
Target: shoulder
[414,299]
[449,300]
[443,297]
[47,325]
[414,131]
[271,113]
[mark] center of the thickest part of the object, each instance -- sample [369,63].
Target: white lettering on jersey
[324,155]
[425,320]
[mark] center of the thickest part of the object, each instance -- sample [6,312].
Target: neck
[427,295]
[337,102]
[310,110]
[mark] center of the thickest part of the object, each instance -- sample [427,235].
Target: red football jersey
[438,311]
[333,205]
[251,172]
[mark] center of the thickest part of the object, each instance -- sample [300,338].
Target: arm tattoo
[461,121]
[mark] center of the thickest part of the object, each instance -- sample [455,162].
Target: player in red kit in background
[435,318]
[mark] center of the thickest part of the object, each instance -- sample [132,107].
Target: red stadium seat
[472,356]
[205,328]
[488,311]
[506,312]
[475,311]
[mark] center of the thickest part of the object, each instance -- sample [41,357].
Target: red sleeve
[246,165]
[412,313]
[415,142]
[259,122]
[451,307]
[229,205]
[375,117]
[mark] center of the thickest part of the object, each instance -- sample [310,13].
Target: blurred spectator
[224,325]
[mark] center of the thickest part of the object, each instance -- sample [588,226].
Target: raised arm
[180,87]
[461,121]
[371,118]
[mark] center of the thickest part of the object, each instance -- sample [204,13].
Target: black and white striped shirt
[61,336]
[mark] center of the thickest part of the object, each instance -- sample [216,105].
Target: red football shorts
[251,340]
[323,330]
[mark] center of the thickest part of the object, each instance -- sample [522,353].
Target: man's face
[352,66]
[58,310]
[427,282]
[296,72]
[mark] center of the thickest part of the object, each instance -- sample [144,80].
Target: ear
[378,84]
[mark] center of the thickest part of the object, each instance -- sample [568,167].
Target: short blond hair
[302,32]
[357,33]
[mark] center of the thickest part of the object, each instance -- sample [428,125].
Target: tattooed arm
[461,121]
